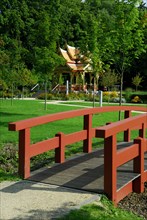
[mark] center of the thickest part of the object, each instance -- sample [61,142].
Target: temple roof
[66,56]
[73,52]
[71,55]
[76,67]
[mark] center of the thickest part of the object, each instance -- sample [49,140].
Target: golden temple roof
[71,55]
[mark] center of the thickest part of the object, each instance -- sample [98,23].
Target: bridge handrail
[116,127]
[113,157]
[28,123]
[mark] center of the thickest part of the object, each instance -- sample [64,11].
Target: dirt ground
[137,203]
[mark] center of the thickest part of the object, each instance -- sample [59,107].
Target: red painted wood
[24,153]
[127,154]
[16,126]
[124,191]
[112,157]
[138,185]
[110,172]
[142,130]
[60,151]
[43,146]
[116,127]
[75,137]
[87,144]
[127,133]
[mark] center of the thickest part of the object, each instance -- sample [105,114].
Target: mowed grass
[100,211]
[24,109]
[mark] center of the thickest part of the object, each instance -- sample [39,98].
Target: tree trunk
[45,104]
[23,92]
[121,89]
[93,93]
[12,93]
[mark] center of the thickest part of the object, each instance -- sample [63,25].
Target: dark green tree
[109,79]
[137,80]
[127,37]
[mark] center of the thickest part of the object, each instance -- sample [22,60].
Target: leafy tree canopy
[111,34]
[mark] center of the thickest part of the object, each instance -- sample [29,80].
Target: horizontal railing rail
[27,150]
[27,123]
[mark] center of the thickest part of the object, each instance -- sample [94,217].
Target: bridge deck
[84,172]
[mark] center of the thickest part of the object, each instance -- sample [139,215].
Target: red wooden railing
[112,157]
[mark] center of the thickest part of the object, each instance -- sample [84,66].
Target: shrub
[117,100]
[114,94]
[41,96]
[109,96]
[136,99]
[9,158]
[128,93]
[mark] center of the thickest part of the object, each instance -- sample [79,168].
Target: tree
[26,78]
[71,22]
[109,79]
[46,57]
[127,37]
[113,34]
[90,48]
[137,80]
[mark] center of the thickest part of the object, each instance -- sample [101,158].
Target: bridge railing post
[138,166]
[87,144]
[24,148]
[127,133]
[60,151]
[110,169]
[142,131]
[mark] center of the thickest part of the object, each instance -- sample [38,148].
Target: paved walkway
[30,200]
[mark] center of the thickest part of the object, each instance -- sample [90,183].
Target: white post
[67,87]
[101,98]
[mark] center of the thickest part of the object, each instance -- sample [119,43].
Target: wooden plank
[127,153]
[84,171]
[116,127]
[43,146]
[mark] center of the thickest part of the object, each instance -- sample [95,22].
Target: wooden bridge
[116,170]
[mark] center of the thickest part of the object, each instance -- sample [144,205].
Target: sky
[145,1]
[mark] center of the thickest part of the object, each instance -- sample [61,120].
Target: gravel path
[38,201]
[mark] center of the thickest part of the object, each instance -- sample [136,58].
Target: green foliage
[70,96]
[128,93]
[110,96]
[102,211]
[137,80]
[9,158]
[112,35]
[109,79]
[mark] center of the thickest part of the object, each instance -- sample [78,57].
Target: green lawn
[23,109]
[100,211]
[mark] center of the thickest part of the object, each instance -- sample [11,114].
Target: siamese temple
[76,71]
